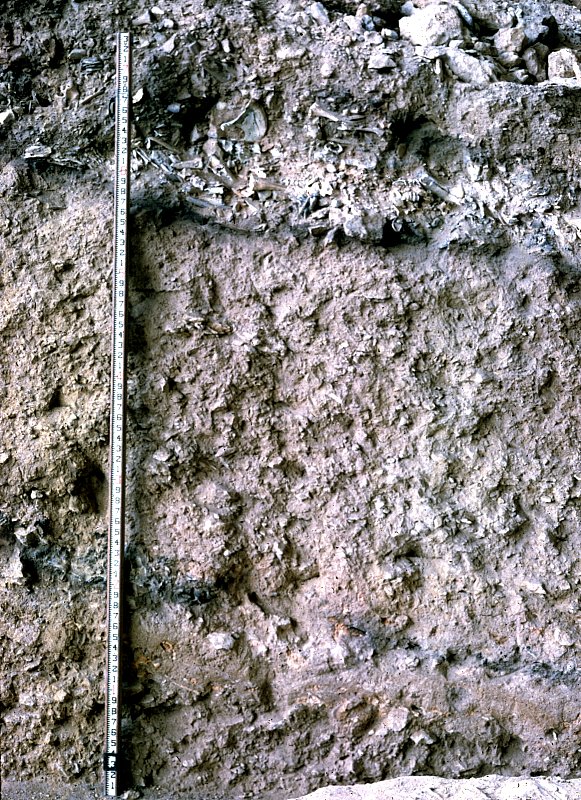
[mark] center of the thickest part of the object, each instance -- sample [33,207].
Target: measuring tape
[117,424]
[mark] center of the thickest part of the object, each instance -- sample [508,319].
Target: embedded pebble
[508,60]
[143,19]
[381,61]
[77,54]
[169,45]
[373,37]
[290,52]
[131,794]
[367,22]
[221,641]
[327,68]
[397,719]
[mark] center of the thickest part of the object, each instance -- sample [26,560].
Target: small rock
[510,40]
[373,37]
[76,505]
[131,794]
[174,108]
[366,227]
[142,19]
[168,23]
[319,13]
[169,45]
[353,227]
[157,12]
[290,52]
[327,68]
[195,136]
[221,641]
[254,123]
[367,22]
[147,701]
[519,76]
[77,54]
[563,64]
[508,60]
[421,736]
[483,47]
[4,457]
[397,719]
[389,35]
[563,638]
[37,151]
[12,572]
[6,117]
[436,24]
[380,61]
[469,68]
[535,59]
[353,23]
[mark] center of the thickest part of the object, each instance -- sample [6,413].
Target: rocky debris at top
[211,124]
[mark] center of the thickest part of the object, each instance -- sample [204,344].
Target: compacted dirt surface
[354,477]
[493,787]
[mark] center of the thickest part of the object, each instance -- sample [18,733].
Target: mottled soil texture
[354,477]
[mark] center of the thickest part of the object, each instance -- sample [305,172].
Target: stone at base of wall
[493,787]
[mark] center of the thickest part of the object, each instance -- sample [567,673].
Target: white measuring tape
[117,424]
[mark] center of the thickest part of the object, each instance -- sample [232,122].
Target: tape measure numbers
[117,421]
